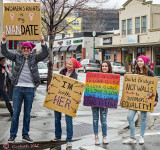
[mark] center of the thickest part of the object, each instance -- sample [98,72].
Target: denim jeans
[58,128]
[20,94]
[103,116]
[130,117]
[3,93]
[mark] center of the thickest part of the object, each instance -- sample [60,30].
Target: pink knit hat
[28,44]
[145,59]
[76,64]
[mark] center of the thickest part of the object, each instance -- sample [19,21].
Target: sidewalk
[42,126]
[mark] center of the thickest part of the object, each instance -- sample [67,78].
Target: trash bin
[157,71]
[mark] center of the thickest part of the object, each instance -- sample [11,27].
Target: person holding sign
[105,68]
[25,78]
[141,68]
[69,71]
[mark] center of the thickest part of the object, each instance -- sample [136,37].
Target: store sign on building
[78,41]
[107,41]
[132,39]
[68,42]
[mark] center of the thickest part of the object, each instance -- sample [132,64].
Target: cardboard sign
[101,90]
[139,92]
[22,21]
[64,94]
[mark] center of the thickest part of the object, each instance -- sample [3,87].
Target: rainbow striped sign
[101,90]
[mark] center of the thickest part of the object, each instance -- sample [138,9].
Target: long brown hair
[145,69]
[109,66]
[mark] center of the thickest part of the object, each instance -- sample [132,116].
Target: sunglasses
[28,48]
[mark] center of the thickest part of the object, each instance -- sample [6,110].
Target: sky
[118,3]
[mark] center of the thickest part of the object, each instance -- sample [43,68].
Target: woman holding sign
[70,72]
[105,68]
[141,68]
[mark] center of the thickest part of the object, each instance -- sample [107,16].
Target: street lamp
[94,34]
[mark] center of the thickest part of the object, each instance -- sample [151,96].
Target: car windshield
[117,64]
[94,61]
[42,66]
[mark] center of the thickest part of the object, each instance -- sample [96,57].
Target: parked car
[118,67]
[89,65]
[43,71]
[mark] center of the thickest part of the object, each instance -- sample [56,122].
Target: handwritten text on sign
[139,92]
[101,90]
[64,94]
[22,21]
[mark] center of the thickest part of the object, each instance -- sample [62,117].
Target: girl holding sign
[105,68]
[141,68]
[70,72]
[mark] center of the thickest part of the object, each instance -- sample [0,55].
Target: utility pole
[94,34]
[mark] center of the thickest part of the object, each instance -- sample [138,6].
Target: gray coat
[19,60]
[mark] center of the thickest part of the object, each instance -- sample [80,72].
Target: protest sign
[22,21]
[139,92]
[64,94]
[101,90]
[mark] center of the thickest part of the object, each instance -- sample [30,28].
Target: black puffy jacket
[19,60]
[2,77]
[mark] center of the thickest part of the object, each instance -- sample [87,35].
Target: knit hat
[28,44]
[145,59]
[76,64]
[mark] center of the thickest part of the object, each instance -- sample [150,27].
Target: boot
[9,107]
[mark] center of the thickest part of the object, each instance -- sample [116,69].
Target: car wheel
[85,70]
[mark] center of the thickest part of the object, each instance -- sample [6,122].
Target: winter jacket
[2,77]
[19,60]
[73,75]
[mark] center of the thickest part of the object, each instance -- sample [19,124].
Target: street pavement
[42,127]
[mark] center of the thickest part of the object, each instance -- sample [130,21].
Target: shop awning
[65,48]
[75,48]
[128,45]
[56,49]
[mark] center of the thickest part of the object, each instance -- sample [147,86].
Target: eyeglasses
[28,48]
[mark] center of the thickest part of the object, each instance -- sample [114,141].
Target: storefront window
[129,26]
[123,27]
[144,24]
[137,23]
[107,55]
[140,51]
[115,56]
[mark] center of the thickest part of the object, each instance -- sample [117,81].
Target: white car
[43,71]
[89,65]
[118,67]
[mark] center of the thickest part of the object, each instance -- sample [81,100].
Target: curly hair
[109,66]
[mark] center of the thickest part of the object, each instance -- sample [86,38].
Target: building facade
[139,33]
[79,47]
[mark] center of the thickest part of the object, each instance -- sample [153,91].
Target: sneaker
[97,141]
[56,139]
[141,140]
[69,144]
[27,139]
[129,141]
[11,139]
[104,140]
